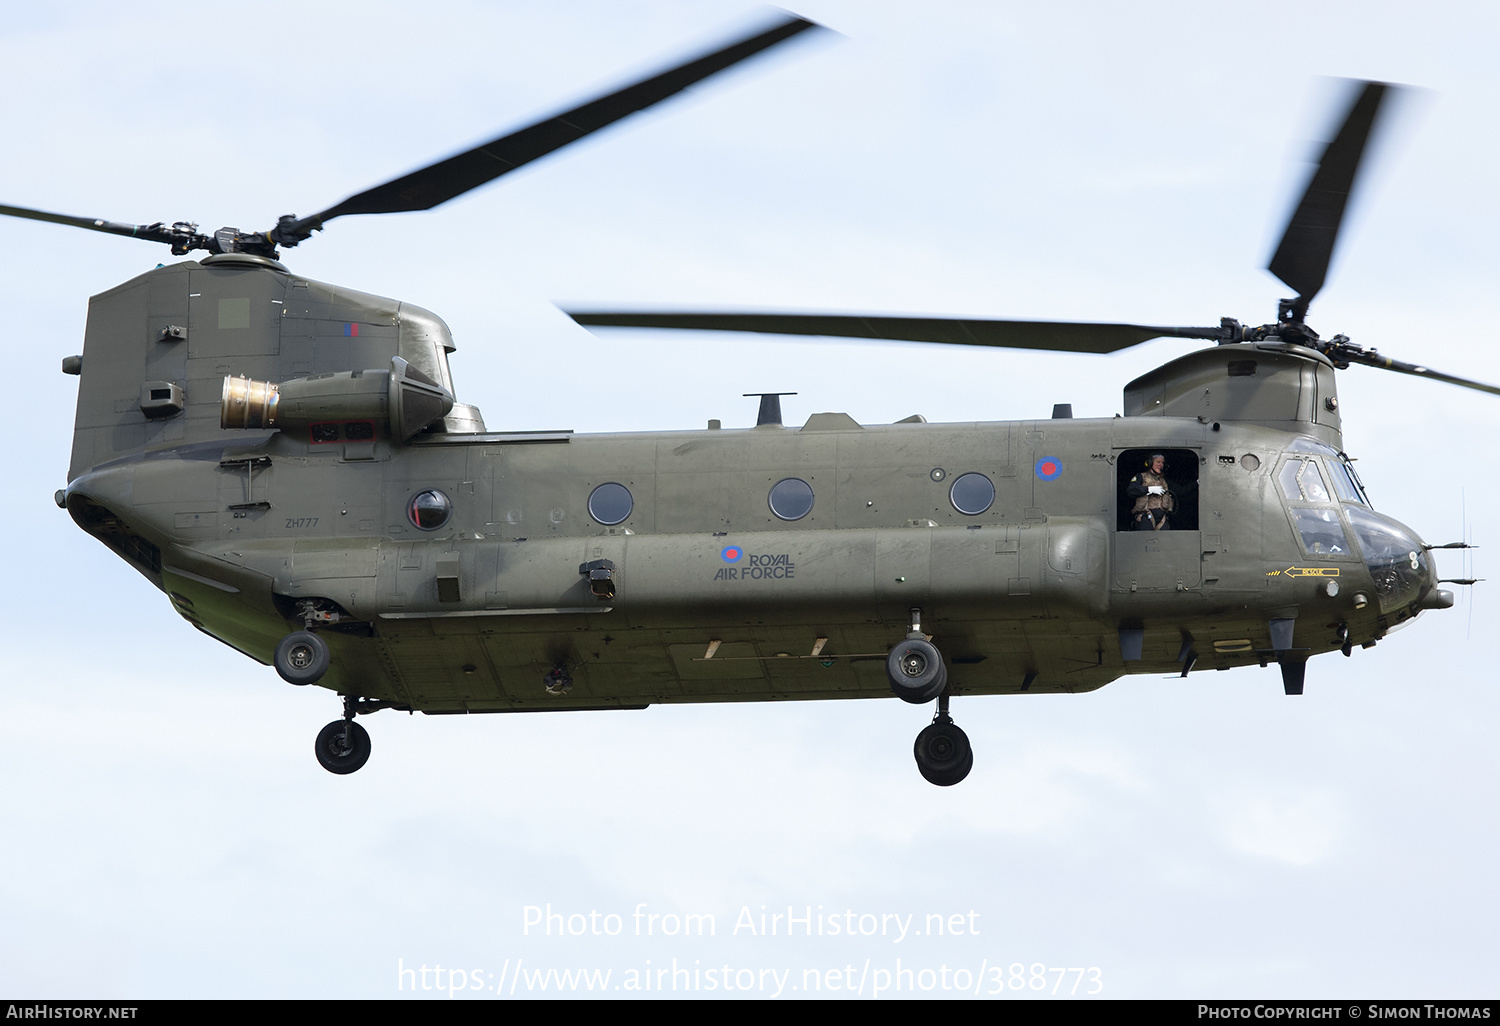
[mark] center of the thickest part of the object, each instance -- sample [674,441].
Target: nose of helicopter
[1429,595]
[1400,564]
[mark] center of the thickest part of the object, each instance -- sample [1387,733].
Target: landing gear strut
[942,750]
[343,746]
[917,674]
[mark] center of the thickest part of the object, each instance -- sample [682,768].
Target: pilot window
[1321,532]
[1303,481]
[1336,465]
[1156,490]
[1314,509]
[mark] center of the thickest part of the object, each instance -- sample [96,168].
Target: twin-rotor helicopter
[288,462]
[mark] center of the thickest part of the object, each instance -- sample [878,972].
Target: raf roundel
[732,554]
[1049,468]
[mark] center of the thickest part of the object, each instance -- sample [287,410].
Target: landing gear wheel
[943,753]
[916,671]
[342,747]
[302,658]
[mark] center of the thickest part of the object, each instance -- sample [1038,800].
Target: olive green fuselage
[715,596]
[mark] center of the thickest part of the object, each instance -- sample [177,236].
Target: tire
[916,671]
[951,777]
[302,658]
[943,754]
[338,755]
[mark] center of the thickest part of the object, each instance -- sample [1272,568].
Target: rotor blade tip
[805,24]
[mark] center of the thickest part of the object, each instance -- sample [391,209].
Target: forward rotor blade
[1055,335]
[158,232]
[1306,249]
[1373,359]
[440,182]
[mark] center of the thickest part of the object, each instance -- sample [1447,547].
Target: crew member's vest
[1146,479]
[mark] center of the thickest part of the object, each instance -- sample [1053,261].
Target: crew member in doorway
[1154,504]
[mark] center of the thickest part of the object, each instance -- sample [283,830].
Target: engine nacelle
[403,396]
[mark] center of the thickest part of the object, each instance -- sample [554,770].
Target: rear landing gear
[942,750]
[343,746]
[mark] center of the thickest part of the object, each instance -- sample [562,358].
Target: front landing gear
[915,667]
[343,746]
[918,674]
[916,671]
[302,658]
[942,750]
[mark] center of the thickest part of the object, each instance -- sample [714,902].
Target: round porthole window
[610,504]
[791,498]
[972,494]
[429,510]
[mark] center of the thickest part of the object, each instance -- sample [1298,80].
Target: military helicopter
[287,461]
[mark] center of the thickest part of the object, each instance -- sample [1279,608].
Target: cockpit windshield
[1345,483]
[1398,562]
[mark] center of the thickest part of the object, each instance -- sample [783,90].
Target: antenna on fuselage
[770,407]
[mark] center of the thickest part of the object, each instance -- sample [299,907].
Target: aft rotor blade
[440,182]
[1372,359]
[157,232]
[1055,335]
[1306,249]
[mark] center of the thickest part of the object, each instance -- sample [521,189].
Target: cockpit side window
[1302,481]
[1288,479]
[1313,508]
[1313,487]
[1322,533]
[1339,466]
[1291,480]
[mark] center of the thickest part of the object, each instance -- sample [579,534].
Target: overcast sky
[164,828]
